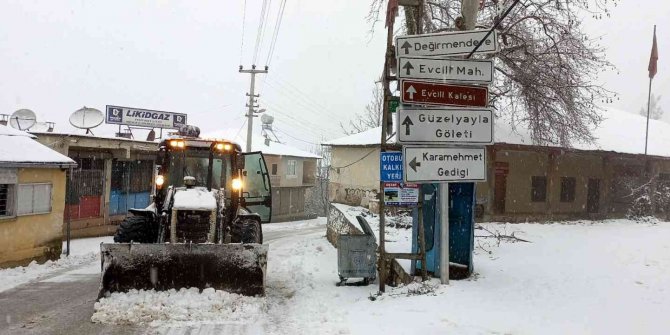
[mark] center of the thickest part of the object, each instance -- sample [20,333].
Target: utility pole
[251,104]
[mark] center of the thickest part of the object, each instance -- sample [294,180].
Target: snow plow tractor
[203,228]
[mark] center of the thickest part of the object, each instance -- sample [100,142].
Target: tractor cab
[215,165]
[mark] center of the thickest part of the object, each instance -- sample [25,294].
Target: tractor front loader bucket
[236,268]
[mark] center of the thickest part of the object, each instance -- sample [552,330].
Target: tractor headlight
[237,184]
[223,146]
[160,180]
[177,144]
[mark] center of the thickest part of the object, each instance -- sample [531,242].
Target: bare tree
[655,108]
[371,117]
[547,67]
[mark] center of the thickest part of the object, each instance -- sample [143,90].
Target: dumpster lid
[365,226]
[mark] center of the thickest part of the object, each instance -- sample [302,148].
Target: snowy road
[62,301]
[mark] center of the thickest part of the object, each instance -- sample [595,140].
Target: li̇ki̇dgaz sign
[144,117]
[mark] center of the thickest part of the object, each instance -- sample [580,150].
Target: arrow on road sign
[432,93]
[413,164]
[407,122]
[406,46]
[411,92]
[408,66]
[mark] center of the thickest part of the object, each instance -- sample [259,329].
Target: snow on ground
[608,277]
[84,251]
[183,307]
[294,225]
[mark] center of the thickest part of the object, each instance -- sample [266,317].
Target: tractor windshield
[196,164]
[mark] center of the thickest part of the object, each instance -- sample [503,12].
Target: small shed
[32,198]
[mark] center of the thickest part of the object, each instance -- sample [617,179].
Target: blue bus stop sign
[390,167]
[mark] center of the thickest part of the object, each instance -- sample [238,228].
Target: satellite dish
[22,119]
[42,127]
[86,118]
[267,119]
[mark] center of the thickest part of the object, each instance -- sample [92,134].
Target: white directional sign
[477,71]
[440,164]
[457,126]
[446,44]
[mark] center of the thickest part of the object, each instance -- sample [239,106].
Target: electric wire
[311,128]
[304,123]
[301,102]
[244,18]
[298,92]
[275,34]
[260,30]
[265,26]
[240,130]
[356,161]
[295,138]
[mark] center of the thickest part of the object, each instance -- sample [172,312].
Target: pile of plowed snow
[183,306]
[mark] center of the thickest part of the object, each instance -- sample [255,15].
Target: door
[593,196]
[500,187]
[256,190]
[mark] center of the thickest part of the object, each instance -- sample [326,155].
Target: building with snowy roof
[293,176]
[113,174]
[532,182]
[32,198]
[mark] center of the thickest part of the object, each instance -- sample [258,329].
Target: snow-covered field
[83,251]
[607,277]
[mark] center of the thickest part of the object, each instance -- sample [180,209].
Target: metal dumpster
[356,256]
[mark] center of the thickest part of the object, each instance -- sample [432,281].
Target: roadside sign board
[401,194]
[472,71]
[144,117]
[390,166]
[424,164]
[438,94]
[446,44]
[445,126]
[394,102]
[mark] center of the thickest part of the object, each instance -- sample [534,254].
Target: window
[538,189]
[34,199]
[568,189]
[6,200]
[8,181]
[291,168]
[274,169]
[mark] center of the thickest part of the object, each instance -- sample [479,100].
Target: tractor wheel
[138,229]
[247,231]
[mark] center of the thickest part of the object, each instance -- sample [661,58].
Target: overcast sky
[183,56]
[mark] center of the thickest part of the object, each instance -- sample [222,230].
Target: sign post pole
[444,233]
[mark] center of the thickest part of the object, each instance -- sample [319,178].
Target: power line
[298,92]
[244,18]
[303,103]
[276,31]
[356,161]
[309,126]
[300,123]
[260,30]
[295,138]
[265,25]
[240,130]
